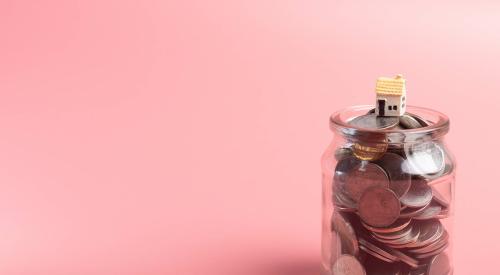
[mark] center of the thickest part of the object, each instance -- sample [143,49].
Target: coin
[430,231]
[343,152]
[346,233]
[362,177]
[393,235]
[409,122]
[379,207]
[393,164]
[344,203]
[424,158]
[376,267]
[409,212]
[404,258]
[377,250]
[419,195]
[343,167]
[439,265]
[398,225]
[442,190]
[374,122]
[375,254]
[420,120]
[432,253]
[347,265]
[432,246]
[405,241]
[369,150]
[431,211]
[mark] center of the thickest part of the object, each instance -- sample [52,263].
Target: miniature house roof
[391,86]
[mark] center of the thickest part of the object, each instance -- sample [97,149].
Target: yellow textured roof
[391,86]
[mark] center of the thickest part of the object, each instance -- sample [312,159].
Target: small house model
[391,96]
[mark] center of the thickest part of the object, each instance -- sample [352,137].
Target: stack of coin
[388,213]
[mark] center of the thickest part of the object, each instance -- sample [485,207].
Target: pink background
[162,137]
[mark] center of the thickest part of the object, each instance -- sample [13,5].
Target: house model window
[391,96]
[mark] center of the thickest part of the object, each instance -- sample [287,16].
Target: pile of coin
[388,217]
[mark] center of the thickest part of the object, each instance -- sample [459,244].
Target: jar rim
[436,129]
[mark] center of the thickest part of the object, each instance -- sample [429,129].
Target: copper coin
[424,158]
[344,203]
[432,253]
[376,267]
[362,177]
[431,211]
[375,254]
[342,169]
[348,265]
[393,165]
[404,258]
[374,122]
[419,195]
[346,233]
[439,265]
[394,235]
[378,250]
[379,207]
[398,225]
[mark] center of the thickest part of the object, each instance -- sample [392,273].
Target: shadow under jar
[388,196]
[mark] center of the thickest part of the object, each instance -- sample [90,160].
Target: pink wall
[162,137]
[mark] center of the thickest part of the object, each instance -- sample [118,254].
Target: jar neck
[438,127]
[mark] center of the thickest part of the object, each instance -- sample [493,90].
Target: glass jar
[388,197]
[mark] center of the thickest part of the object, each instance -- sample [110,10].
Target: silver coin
[374,122]
[408,122]
[420,120]
[426,159]
[432,246]
[439,265]
[348,265]
[419,195]
[430,231]
[393,164]
[405,241]
[409,212]
[379,207]
[441,190]
[364,176]
[346,233]
[430,212]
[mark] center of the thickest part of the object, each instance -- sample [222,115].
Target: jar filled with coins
[388,188]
